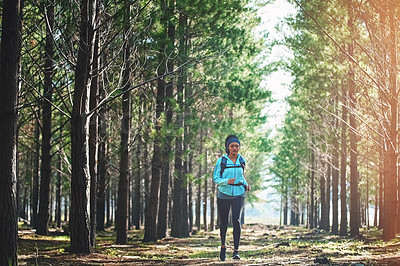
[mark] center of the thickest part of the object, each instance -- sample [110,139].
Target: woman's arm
[247,187]
[217,174]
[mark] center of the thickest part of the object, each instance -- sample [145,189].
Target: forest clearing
[163,115]
[260,245]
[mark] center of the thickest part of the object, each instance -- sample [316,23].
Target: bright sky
[267,211]
[272,16]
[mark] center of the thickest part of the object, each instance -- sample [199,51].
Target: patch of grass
[112,252]
[205,254]
[56,248]
[59,251]
[258,253]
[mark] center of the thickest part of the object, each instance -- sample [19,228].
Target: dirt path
[260,245]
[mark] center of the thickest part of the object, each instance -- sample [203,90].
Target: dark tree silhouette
[9,65]
[80,179]
[46,173]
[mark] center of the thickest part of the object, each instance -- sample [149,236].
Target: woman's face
[233,148]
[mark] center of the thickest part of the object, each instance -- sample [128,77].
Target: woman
[228,175]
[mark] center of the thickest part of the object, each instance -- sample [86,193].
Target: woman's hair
[226,142]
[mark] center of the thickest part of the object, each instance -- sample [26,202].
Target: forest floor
[260,245]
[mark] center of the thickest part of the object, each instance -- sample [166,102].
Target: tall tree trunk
[108,208]
[381,206]
[343,166]
[367,196]
[322,187]
[58,191]
[292,210]
[285,206]
[136,204]
[354,197]
[376,203]
[170,203]
[187,139]
[205,194]
[43,215]
[165,179]
[51,203]
[25,204]
[383,54]
[390,178]
[312,174]
[146,192]
[150,233]
[335,178]
[161,230]
[80,179]
[9,65]
[180,227]
[94,139]
[35,183]
[198,181]
[190,195]
[113,205]
[66,204]
[212,207]
[121,219]
[101,166]
[328,197]
[169,87]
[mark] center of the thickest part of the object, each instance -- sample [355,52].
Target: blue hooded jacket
[236,172]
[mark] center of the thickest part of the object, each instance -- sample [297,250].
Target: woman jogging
[228,175]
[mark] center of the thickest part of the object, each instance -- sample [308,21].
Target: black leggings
[223,208]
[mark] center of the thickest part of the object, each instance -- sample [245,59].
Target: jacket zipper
[234,175]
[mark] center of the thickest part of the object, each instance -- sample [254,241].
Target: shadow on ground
[260,245]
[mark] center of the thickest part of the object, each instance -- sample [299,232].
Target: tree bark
[93,140]
[390,178]
[285,206]
[212,207]
[35,183]
[9,65]
[80,179]
[187,134]
[180,227]
[58,192]
[323,196]
[165,175]
[335,178]
[108,208]
[198,181]
[343,166]
[169,87]
[150,234]
[381,206]
[190,192]
[312,174]
[205,195]
[66,204]
[354,197]
[121,218]
[136,204]
[328,197]
[46,173]
[102,160]
[383,99]
[147,177]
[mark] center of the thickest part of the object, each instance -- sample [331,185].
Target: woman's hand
[231,181]
[247,187]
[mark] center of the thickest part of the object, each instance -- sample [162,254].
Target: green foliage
[222,91]
[320,71]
